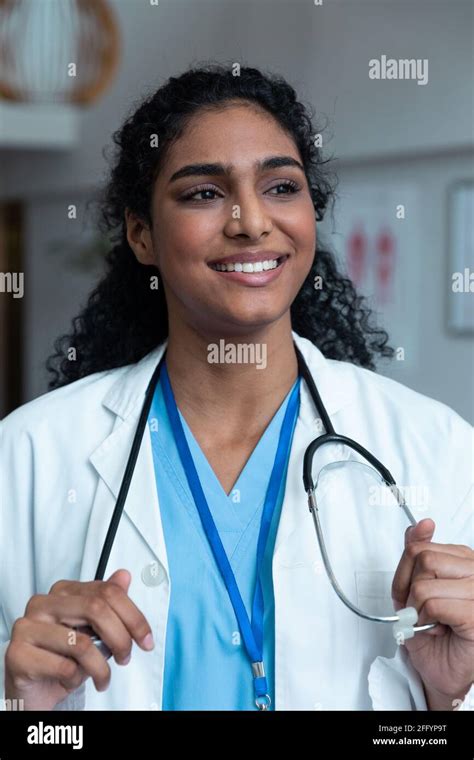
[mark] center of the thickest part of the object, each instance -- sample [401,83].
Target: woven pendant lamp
[57,51]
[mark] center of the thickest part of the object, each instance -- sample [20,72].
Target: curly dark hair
[124,318]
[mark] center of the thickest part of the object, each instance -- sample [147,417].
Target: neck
[222,391]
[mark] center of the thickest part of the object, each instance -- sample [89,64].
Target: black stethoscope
[405,619]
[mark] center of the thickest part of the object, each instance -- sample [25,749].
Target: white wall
[324,52]
[444,363]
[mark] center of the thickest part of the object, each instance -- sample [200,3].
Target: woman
[214,196]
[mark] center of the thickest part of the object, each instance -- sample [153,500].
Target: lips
[249,266]
[250,257]
[255,279]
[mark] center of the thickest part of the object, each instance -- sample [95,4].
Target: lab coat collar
[129,389]
[125,399]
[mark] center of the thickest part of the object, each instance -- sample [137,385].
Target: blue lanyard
[252,633]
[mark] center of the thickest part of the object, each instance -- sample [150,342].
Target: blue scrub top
[206,664]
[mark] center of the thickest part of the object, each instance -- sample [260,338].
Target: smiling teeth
[257,266]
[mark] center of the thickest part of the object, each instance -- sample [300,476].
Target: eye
[198,191]
[289,185]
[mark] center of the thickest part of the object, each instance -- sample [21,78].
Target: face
[241,208]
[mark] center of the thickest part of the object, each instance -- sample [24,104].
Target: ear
[139,238]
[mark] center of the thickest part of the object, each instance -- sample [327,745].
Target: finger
[64,641]
[422,590]
[455,613]
[114,591]
[431,565]
[403,574]
[422,531]
[434,564]
[120,577]
[80,610]
[133,619]
[27,663]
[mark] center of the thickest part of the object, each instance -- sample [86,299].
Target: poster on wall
[377,242]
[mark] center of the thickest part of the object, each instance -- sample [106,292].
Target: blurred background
[402,226]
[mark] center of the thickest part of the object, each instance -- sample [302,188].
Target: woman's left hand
[438,579]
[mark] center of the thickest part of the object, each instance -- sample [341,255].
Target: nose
[249,217]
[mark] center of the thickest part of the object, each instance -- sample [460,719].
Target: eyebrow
[272,162]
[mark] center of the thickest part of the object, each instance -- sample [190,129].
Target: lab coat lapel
[125,398]
[335,395]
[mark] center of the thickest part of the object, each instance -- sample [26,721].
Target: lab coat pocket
[373,588]
[374,591]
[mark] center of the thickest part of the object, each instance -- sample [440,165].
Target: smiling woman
[193,411]
[199,209]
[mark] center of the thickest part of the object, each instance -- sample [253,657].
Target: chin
[235,323]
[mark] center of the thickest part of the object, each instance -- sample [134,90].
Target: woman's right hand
[47,659]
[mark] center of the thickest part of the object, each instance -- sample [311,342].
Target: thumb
[121,578]
[422,531]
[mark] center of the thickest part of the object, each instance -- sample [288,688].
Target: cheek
[298,222]
[186,241]
[301,228]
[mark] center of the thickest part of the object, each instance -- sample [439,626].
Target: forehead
[238,134]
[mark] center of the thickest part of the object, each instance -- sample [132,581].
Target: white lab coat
[63,456]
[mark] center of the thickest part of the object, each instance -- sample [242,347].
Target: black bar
[320,733]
